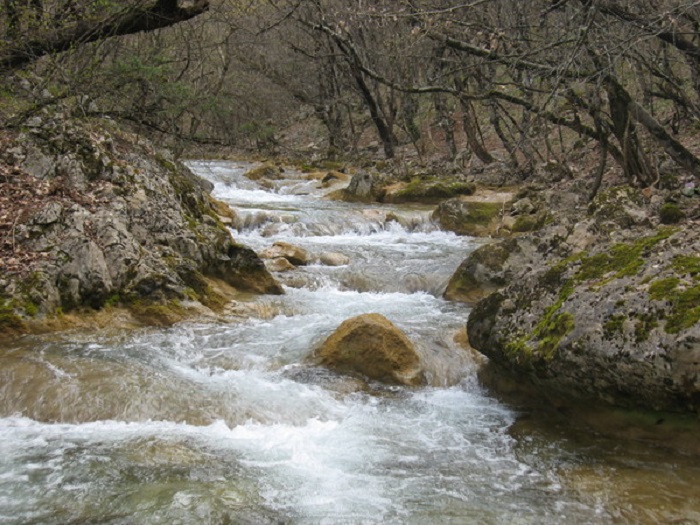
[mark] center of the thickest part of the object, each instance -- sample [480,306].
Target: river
[228,422]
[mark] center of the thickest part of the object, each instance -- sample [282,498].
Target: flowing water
[230,423]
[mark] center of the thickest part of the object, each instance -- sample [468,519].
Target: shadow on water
[642,466]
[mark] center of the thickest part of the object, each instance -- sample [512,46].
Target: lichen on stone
[613,326]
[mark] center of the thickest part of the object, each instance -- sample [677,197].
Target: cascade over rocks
[606,308]
[372,345]
[112,220]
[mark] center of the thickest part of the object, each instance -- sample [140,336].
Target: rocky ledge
[93,216]
[605,308]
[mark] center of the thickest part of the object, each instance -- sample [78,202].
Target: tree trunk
[679,153]
[471,130]
[386,135]
[634,163]
[446,123]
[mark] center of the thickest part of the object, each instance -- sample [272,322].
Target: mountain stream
[215,423]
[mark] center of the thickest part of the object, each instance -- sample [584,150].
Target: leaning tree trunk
[446,123]
[472,132]
[635,164]
[386,134]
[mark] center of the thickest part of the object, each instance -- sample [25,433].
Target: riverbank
[95,217]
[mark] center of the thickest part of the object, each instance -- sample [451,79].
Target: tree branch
[670,36]
[136,20]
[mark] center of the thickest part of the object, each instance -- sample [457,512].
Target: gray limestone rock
[123,221]
[617,322]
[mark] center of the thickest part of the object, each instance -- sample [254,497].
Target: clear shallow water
[228,423]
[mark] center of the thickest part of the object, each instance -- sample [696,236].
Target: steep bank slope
[92,215]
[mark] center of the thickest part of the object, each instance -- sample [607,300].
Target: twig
[12,232]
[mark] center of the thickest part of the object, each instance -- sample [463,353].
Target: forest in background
[530,84]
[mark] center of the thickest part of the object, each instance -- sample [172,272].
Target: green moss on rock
[613,326]
[663,288]
[551,332]
[528,223]
[548,333]
[622,260]
[433,190]
[687,265]
[685,302]
[671,213]
[483,212]
[158,314]
[686,310]
[9,320]
[469,217]
[264,171]
[643,326]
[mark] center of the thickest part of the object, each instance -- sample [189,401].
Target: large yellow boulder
[372,345]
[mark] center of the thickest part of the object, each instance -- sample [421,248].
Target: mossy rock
[623,259]
[475,218]
[429,191]
[157,314]
[10,322]
[619,324]
[671,213]
[373,346]
[223,211]
[619,207]
[266,171]
[529,223]
[481,273]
